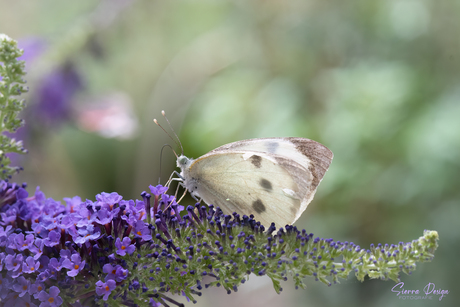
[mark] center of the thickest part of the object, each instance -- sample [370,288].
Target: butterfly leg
[177,189]
[198,200]
[183,194]
[185,191]
[171,179]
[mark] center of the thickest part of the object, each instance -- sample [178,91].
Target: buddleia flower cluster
[115,252]
[11,86]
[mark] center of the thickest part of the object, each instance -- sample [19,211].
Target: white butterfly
[273,178]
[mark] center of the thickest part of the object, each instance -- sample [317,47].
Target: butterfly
[272,178]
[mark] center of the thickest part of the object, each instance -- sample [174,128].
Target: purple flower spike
[75,265]
[124,247]
[52,299]
[105,288]
[158,190]
[30,265]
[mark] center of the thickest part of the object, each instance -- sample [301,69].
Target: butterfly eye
[182,160]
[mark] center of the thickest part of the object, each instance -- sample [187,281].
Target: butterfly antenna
[161,155]
[158,124]
[175,197]
[178,140]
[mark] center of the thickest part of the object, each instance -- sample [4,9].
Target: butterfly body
[273,178]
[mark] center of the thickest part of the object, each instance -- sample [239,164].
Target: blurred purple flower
[14,300]
[22,243]
[13,262]
[52,299]
[116,273]
[21,285]
[65,253]
[44,276]
[75,265]
[105,216]
[2,258]
[134,211]
[108,200]
[5,288]
[104,288]
[30,266]
[86,216]
[9,216]
[37,248]
[124,246]
[153,303]
[86,233]
[158,190]
[33,47]
[36,288]
[142,230]
[53,104]
[72,203]
[53,238]
[54,265]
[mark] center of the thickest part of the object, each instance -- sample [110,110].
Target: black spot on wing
[256,160]
[258,206]
[266,185]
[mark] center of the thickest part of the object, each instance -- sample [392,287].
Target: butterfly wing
[273,178]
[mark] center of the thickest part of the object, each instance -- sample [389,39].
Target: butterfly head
[183,162]
[188,180]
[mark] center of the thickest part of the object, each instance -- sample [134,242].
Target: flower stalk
[109,251]
[11,87]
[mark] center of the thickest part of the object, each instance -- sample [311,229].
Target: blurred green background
[378,82]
